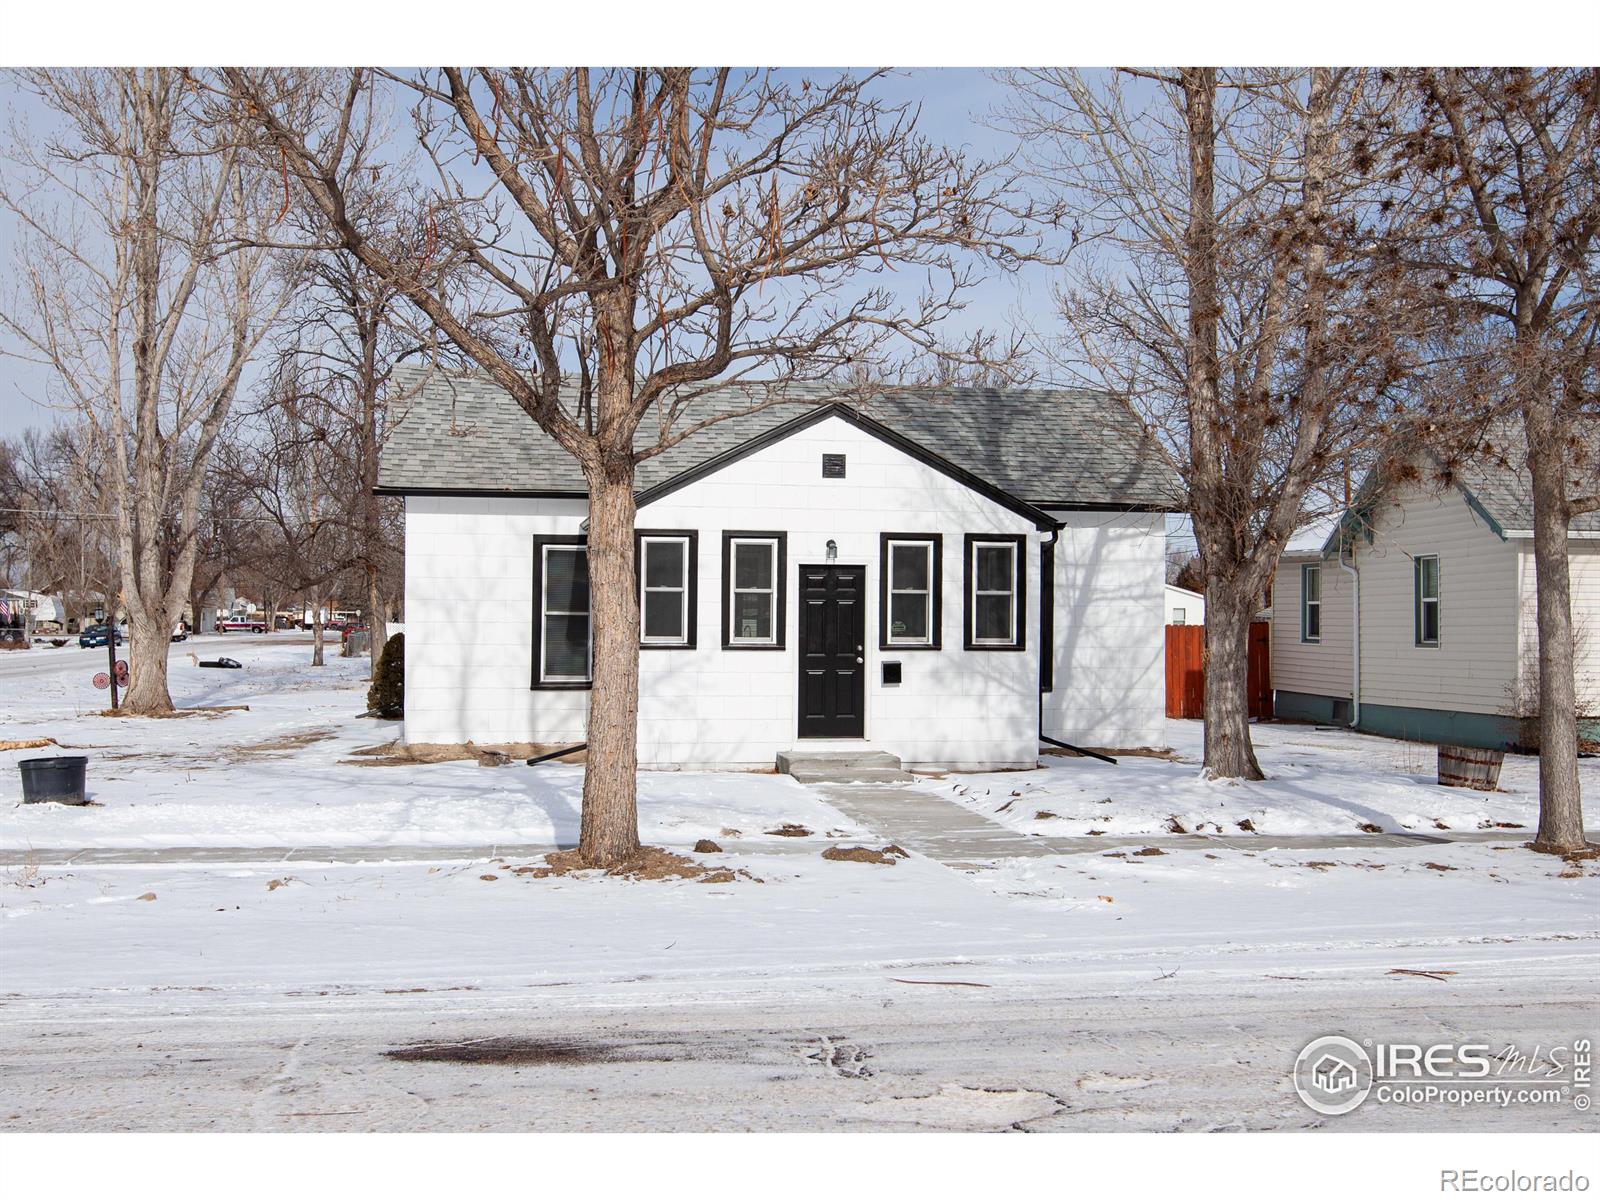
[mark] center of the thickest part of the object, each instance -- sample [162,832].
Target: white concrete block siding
[1110,640]
[470,613]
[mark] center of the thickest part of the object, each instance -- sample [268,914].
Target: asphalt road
[1023,1053]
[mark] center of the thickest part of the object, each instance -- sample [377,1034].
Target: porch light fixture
[833,550]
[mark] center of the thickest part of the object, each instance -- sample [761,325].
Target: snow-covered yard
[1319,781]
[284,773]
[983,974]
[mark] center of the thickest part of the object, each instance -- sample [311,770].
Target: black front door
[832,651]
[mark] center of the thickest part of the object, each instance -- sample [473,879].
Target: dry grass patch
[651,862]
[501,754]
[884,857]
[1162,752]
[27,744]
[286,743]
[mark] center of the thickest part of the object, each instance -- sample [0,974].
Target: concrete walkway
[952,834]
[350,855]
[940,829]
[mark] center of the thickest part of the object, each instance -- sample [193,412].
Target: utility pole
[111,656]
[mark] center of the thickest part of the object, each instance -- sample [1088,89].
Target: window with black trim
[1426,576]
[908,596]
[995,594]
[753,572]
[562,637]
[667,570]
[1311,603]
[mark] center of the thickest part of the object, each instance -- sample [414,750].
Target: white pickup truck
[242,625]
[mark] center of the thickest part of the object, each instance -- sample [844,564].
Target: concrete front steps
[862,766]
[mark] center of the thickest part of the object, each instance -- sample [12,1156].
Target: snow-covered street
[1159,982]
[1032,1051]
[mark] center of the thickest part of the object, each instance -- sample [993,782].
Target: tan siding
[1473,669]
[1314,668]
[1584,558]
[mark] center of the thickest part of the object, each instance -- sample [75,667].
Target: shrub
[387,695]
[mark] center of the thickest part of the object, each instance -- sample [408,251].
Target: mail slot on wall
[891,674]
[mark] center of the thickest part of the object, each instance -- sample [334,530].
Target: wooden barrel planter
[1469,767]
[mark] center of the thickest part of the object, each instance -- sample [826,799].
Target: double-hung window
[562,641]
[1427,599]
[1311,602]
[995,583]
[667,572]
[908,602]
[753,572]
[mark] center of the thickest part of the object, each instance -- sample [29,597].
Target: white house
[1184,607]
[31,608]
[942,576]
[1415,616]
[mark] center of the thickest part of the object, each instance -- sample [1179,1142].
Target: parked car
[180,632]
[242,625]
[96,635]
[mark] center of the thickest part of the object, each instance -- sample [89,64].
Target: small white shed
[1184,607]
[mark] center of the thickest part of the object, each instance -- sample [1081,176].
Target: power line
[67,512]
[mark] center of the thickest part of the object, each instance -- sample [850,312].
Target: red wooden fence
[1186,670]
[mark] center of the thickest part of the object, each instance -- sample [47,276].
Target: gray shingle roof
[1498,478]
[1048,447]
[1494,479]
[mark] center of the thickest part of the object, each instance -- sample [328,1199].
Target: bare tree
[656,233]
[1218,276]
[1503,170]
[53,527]
[346,331]
[299,473]
[141,283]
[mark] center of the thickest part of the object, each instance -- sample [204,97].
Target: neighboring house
[24,610]
[929,575]
[1443,644]
[1184,607]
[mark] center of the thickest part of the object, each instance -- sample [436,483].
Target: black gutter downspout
[1105,758]
[558,754]
[1047,643]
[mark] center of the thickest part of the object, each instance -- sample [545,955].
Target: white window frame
[1014,550]
[926,591]
[1307,570]
[545,612]
[681,638]
[734,590]
[1423,600]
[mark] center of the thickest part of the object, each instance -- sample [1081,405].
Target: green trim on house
[1486,731]
[1484,514]
[1303,706]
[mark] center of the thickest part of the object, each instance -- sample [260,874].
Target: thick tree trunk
[1560,800]
[610,824]
[377,627]
[149,640]
[1228,752]
[316,633]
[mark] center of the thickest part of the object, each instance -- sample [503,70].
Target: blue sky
[954,103]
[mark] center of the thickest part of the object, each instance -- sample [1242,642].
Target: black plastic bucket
[59,779]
